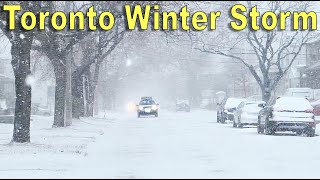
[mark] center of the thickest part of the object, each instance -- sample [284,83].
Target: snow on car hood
[292,104]
[233,103]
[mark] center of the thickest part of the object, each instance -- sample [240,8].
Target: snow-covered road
[174,145]
[193,145]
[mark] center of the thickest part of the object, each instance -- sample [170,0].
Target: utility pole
[68,103]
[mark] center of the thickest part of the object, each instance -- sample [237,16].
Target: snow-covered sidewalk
[52,151]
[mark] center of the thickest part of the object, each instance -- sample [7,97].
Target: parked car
[247,113]
[40,111]
[287,114]
[43,112]
[230,108]
[183,106]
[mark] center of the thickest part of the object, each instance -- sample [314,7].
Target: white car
[247,113]
[288,114]
[230,108]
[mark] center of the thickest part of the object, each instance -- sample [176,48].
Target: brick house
[310,75]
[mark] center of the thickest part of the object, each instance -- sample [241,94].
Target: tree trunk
[77,96]
[92,84]
[85,91]
[266,89]
[21,65]
[60,89]
[68,93]
[90,104]
[266,94]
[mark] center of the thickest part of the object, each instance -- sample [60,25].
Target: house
[7,90]
[310,74]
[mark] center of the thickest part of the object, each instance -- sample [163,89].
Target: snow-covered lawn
[51,152]
[174,145]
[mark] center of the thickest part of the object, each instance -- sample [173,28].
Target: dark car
[182,106]
[287,114]
[147,106]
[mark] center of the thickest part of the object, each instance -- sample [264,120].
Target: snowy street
[174,145]
[193,145]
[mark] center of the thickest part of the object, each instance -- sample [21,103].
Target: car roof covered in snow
[233,102]
[292,103]
[220,92]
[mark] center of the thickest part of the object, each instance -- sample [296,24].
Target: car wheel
[299,133]
[223,120]
[311,133]
[240,125]
[218,118]
[234,124]
[260,129]
[269,130]
[156,114]
[138,115]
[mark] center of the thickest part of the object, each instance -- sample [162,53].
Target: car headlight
[140,108]
[154,107]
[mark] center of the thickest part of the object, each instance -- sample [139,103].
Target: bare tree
[21,42]
[95,50]
[275,51]
[57,45]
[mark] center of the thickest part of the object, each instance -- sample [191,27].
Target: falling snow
[30,80]
[22,36]
[85,96]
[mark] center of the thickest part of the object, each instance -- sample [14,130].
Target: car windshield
[147,102]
